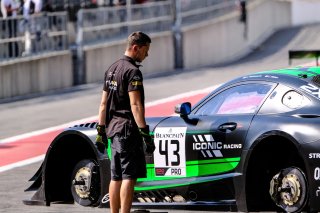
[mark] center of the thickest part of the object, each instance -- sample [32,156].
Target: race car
[252,144]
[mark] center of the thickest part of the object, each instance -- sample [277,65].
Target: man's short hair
[138,38]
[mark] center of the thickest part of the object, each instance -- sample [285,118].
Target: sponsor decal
[270,76]
[161,171]
[314,155]
[312,89]
[136,83]
[136,78]
[316,174]
[105,198]
[252,76]
[232,146]
[318,191]
[209,147]
[169,135]
[111,84]
[260,76]
[169,155]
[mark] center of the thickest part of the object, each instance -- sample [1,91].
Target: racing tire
[289,189]
[85,183]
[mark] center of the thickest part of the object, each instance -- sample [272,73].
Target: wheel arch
[64,153]
[268,154]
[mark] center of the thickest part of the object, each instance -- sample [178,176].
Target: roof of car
[290,76]
[300,72]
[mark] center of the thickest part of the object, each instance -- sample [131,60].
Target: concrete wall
[265,17]
[305,11]
[224,39]
[99,58]
[213,42]
[35,74]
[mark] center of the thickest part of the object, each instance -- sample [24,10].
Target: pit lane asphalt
[26,114]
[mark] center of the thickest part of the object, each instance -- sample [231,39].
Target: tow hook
[78,182]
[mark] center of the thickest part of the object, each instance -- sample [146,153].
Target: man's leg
[114,194]
[126,194]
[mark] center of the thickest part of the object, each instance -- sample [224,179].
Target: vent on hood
[316,80]
[87,125]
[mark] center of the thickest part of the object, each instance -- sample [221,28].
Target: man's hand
[147,140]
[101,139]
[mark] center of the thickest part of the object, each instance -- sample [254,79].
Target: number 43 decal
[169,156]
[163,150]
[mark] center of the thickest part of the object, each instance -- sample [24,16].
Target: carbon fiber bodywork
[218,157]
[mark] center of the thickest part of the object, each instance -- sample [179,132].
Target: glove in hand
[147,140]
[101,139]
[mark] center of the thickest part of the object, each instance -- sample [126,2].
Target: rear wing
[298,54]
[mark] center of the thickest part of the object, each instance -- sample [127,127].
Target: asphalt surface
[26,114]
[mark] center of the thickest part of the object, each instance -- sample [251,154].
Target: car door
[208,141]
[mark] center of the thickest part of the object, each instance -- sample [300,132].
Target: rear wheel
[288,189]
[85,186]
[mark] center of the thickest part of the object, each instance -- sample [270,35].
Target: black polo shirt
[122,77]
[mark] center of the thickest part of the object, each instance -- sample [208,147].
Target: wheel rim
[288,189]
[292,184]
[82,182]
[85,183]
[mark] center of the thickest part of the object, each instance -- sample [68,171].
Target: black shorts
[127,158]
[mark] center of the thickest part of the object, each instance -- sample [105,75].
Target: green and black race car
[253,144]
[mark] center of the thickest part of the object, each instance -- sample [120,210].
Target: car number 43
[169,156]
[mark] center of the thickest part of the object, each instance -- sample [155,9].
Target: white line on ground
[22,163]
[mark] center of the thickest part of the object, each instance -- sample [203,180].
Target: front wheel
[289,189]
[85,185]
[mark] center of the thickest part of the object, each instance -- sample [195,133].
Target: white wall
[305,11]
[222,40]
[36,74]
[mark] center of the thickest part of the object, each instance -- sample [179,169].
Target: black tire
[85,183]
[289,189]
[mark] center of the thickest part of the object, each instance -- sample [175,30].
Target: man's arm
[139,116]
[137,108]
[3,9]
[103,109]
[101,139]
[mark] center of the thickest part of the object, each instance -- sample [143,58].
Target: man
[31,7]
[122,112]
[242,7]
[10,8]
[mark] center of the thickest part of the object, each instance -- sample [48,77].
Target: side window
[241,99]
[294,100]
[283,99]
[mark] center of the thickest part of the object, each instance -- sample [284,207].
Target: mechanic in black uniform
[122,114]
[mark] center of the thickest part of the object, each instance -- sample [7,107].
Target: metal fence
[103,24]
[195,11]
[48,32]
[40,33]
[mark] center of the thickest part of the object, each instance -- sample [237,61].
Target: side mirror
[183,109]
